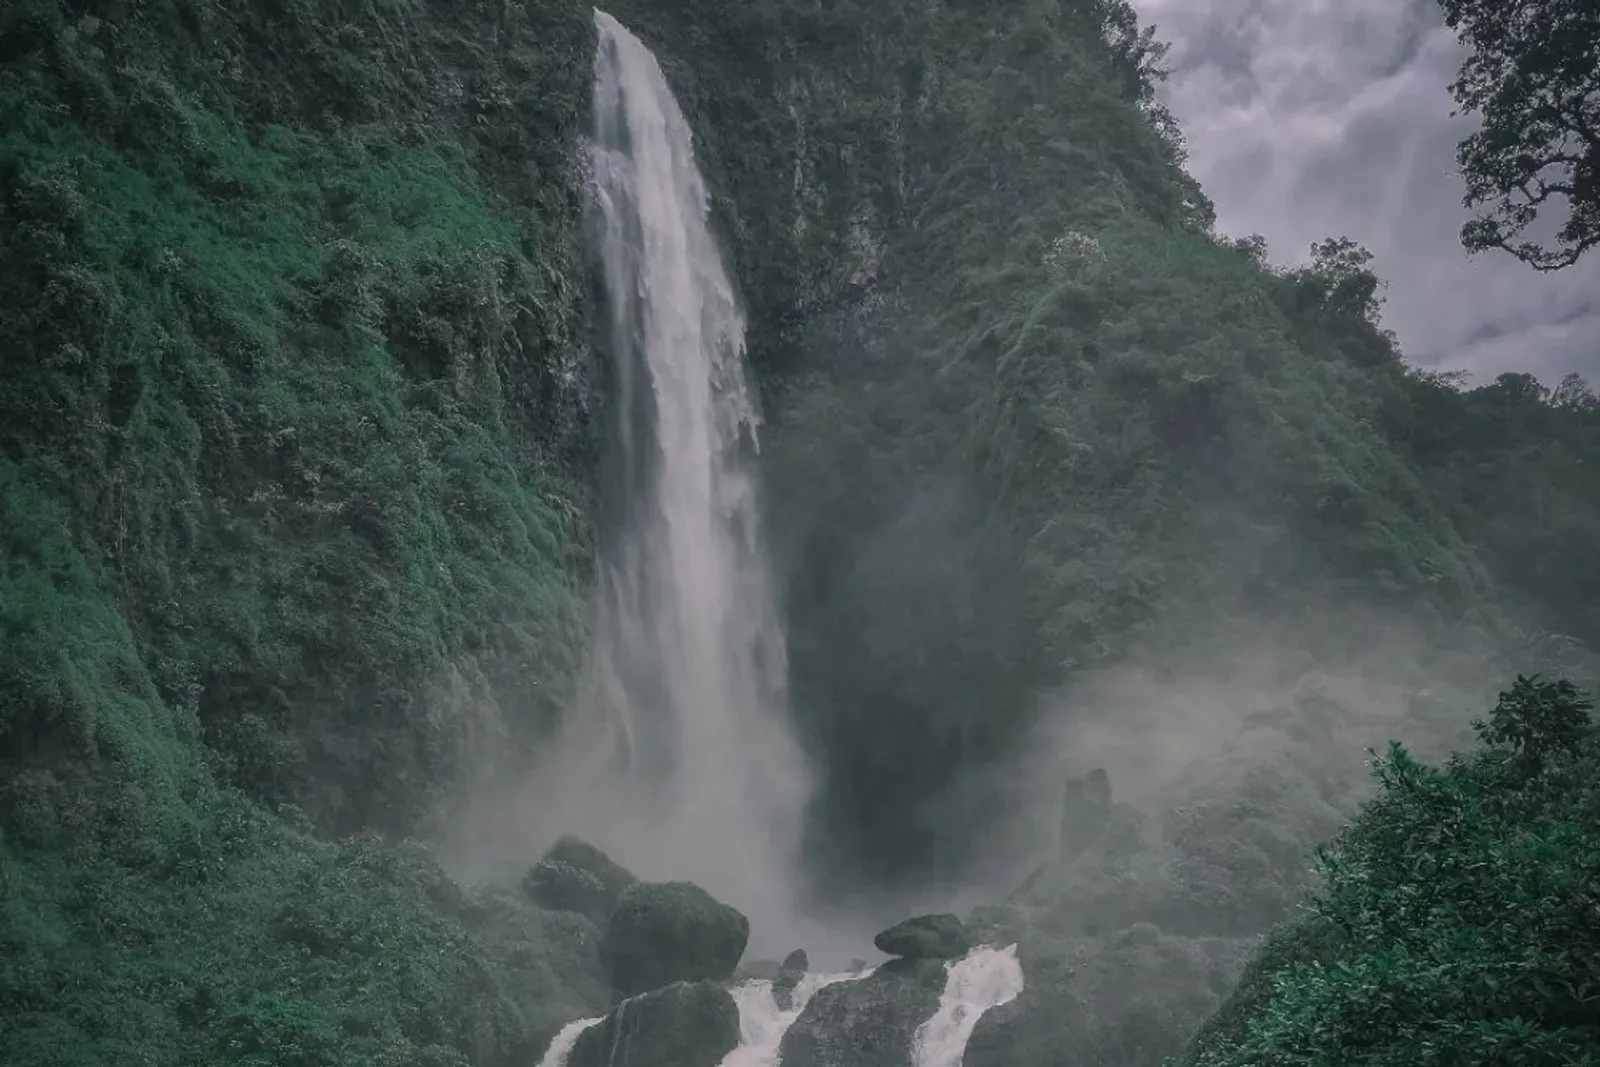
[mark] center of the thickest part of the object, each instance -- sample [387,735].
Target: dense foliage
[296,478]
[291,482]
[1458,921]
[1533,75]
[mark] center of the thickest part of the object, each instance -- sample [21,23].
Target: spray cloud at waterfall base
[677,757]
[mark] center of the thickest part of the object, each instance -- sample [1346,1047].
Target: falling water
[985,978]
[561,1045]
[688,769]
[762,1023]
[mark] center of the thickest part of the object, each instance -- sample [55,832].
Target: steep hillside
[297,458]
[1077,424]
[292,487]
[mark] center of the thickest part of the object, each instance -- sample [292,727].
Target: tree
[1534,75]
[1455,923]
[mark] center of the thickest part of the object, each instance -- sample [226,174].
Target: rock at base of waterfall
[575,876]
[1131,998]
[790,973]
[869,1022]
[926,937]
[686,1024]
[664,932]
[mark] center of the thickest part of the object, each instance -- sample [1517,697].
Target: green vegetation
[1456,922]
[1080,424]
[291,488]
[1531,75]
[296,468]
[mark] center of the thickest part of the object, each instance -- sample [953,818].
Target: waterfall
[679,756]
[985,978]
[762,1023]
[561,1045]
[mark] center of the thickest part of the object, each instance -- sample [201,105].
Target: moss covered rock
[925,937]
[663,932]
[869,1022]
[576,876]
[685,1024]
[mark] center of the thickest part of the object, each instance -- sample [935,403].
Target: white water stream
[985,978]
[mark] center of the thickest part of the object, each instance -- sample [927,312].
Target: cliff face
[293,442]
[297,429]
[297,343]
[1029,414]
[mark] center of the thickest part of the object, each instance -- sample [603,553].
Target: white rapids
[762,1023]
[561,1045]
[985,978]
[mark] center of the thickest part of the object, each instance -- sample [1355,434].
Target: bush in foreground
[1459,920]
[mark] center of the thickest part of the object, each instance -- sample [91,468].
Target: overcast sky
[1315,118]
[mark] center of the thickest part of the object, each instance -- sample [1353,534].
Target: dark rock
[937,937]
[789,975]
[662,932]
[857,966]
[575,876]
[1132,998]
[686,1024]
[869,1022]
[562,887]
[1084,813]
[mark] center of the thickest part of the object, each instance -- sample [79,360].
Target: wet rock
[869,1022]
[663,932]
[1130,998]
[575,876]
[926,937]
[790,973]
[686,1024]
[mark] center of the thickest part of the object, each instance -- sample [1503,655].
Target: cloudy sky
[1315,118]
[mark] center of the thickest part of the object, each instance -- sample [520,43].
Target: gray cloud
[1315,118]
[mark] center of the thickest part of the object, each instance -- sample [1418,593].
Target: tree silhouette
[1534,76]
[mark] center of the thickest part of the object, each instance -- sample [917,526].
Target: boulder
[575,876]
[1131,998]
[792,970]
[868,1022]
[685,1024]
[926,937]
[664,932]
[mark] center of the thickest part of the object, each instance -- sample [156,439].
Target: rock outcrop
[685,1024]
[926,937]
[664,932]
[790,972]
[1085,811]
[1130,998]
[869,1022]
[575,876]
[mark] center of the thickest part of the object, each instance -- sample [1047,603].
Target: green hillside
[299,419]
